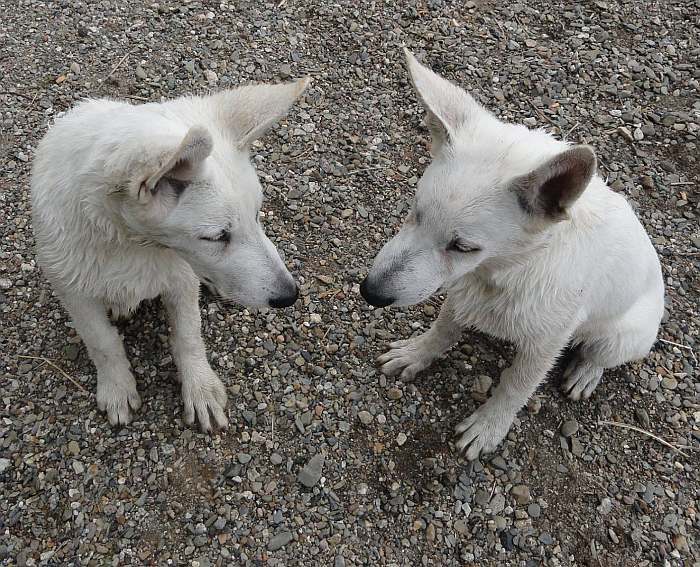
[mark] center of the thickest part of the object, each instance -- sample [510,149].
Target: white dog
[132,202]
[529,245]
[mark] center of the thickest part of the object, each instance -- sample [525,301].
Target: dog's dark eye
[456,245]
[223,236]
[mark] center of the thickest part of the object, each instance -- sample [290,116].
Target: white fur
[128,204]
[577,269]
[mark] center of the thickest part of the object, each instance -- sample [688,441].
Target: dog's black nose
[284,300]
[373,298]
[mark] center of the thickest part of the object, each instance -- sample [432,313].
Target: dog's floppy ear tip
[194,148]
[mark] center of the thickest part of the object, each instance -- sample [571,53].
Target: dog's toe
[394,366]
[204,400]
[406,358]
[119,415]
[483,430]
[118,397]
[409,373]
[386,357]
[470,443]
[134,400]
[582,379]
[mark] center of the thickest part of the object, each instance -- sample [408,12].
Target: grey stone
[311,473]
[279,541]
[521,494]
[365,417]
[534,510]
[569,428]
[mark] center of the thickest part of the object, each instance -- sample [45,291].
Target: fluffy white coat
[529,245]
[131,202]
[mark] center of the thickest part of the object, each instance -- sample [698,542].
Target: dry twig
[692,352]
[119,63]
[57,368]
[21,95]
[644,432]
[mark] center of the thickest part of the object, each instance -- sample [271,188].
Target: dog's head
[491,193]
[195,191]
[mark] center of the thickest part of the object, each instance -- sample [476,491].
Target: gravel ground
[328,461]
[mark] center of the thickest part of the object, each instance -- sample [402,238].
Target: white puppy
[132,202]
[529,245]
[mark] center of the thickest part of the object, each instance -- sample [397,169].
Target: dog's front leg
[411,356]
[116,386]
[203,394]
[483,430]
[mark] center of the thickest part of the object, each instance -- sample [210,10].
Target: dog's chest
[514,313]
[128,275]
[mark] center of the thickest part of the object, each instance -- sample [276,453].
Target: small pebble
[73,448]
[669,383]
[394,393]
[311,473]
[279,541]
[569,428]
[521,494]
[365,417]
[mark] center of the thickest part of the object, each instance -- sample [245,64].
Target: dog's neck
[492,273]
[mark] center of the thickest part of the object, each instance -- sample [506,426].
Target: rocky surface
[326,460]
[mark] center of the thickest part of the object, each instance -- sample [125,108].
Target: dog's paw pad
[482,431]
[118,398]
[205,401]
[581,379]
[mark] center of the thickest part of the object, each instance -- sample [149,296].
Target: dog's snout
[284,300]
[372,297]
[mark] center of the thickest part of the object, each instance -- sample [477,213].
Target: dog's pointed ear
[251,110]
[448,107]
[548,191]
[180,165]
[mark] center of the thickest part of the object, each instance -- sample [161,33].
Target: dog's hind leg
[628,338]
[116,386]
[409,357]
[203,394]
[581,377]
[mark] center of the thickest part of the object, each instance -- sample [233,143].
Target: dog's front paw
[483,430]
[407,357]
[204,397]
[117,395]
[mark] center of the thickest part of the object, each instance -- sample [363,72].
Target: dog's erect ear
[181,166]
[447,106]
[548,191]
[251,110]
